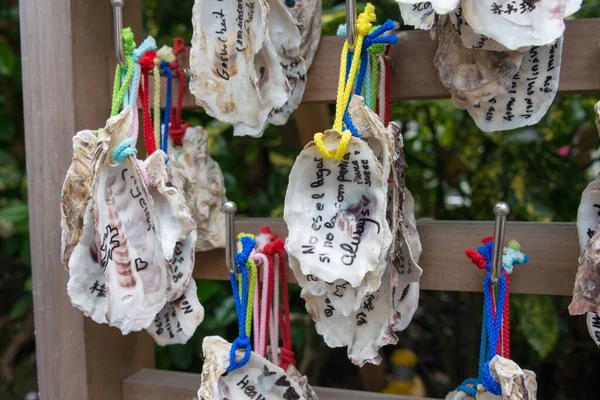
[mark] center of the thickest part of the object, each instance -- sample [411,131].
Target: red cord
[178,127]
[147,63]
[506,320]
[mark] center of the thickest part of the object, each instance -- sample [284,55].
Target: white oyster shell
[76,191]
[439,6]
[532,92]
[364,331]
[518,25]
[406,302]
[178,320]
[473,40]
[307,391]
[470,75]
[593,325]
[257,378]
[307,17]
[193,171]
[420,15]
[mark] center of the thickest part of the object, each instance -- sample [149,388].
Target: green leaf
[181,356]
[208,289]
[7,59]
[19,309]
[537,318]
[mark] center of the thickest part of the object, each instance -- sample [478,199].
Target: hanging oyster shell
[533,90]
[439,6]
[178,320]
[593,325]
[257,378]
[420,15]
[76,192]
[470,39]
[286,39]
[472,76]
[366,330]
[307,17]
[129,247]
[193,171]
[302,381]
[518,25]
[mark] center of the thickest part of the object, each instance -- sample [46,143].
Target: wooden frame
[67,52]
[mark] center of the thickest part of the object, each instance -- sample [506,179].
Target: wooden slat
[552,247]
[153,384]
[415,78]
[67,46]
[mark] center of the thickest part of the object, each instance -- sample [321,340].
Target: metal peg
[117,6]
[230,208]
[501,210]
[351,22]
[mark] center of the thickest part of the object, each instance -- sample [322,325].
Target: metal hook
[230,208]
[501,210]
[117,6]
[351,22]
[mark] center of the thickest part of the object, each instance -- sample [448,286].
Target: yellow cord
[251,265]
[345,86]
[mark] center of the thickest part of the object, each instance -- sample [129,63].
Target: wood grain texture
[153,384]
[552,247]
[66,52]
[414,76]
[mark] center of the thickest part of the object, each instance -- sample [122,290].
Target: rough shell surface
[420,15]
[366,330]
[343,207]
[193,171]
[127,238]
[258,377]
[307,391]
[472,40]
[307,17]
[532,92]
[178,320]
[516,26]
[439,6]
[226,40]
[76,192]
[470,75]
[516,384]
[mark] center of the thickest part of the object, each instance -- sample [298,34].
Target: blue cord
[164,66]
[124,149]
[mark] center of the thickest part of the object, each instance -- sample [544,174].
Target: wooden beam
[67,55]
[414,76]
[153,384]
[553,250]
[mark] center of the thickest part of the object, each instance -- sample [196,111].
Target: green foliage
[537,319]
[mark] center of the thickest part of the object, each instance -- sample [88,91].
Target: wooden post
[67,54]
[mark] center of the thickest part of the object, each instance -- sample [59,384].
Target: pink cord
[381,89]
[274,320]
[260,320]
[255,310]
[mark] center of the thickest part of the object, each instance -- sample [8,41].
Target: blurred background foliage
[456,172]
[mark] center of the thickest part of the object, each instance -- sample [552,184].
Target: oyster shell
[258,377]
[420,15]
[439,6]
[307,391]
[364,331]
[307,17]
[518,25]
[533,90]
[76,192]
[178,320]
[472,75]
[593,325]
[193,171]
[469,38]
[406,302]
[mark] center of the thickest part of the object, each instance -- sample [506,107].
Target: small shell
[307,391]
[532,92]
[518,26]
[178,320]
[307,17]
[258,378]
[420,15]
[76,191]
[193,171]
[439,6]
[470,75]
[516,384]
[593,325]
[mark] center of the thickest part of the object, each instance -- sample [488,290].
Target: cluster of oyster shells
[128,239]
[249,59]
[500,60]
[515,383]
[355,272]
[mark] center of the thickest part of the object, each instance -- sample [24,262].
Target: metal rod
[230,208]
[501,210]
[117,6]
[351,22]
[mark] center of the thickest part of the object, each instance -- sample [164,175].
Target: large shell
[76,192]
[307,17]
[129,247]
[518,25]
[364,331]
[193,171]
[472,75]
[439,6]
[178,320]
[257,379]
[406,302]
[469,38]
[420,15]
[533,90]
